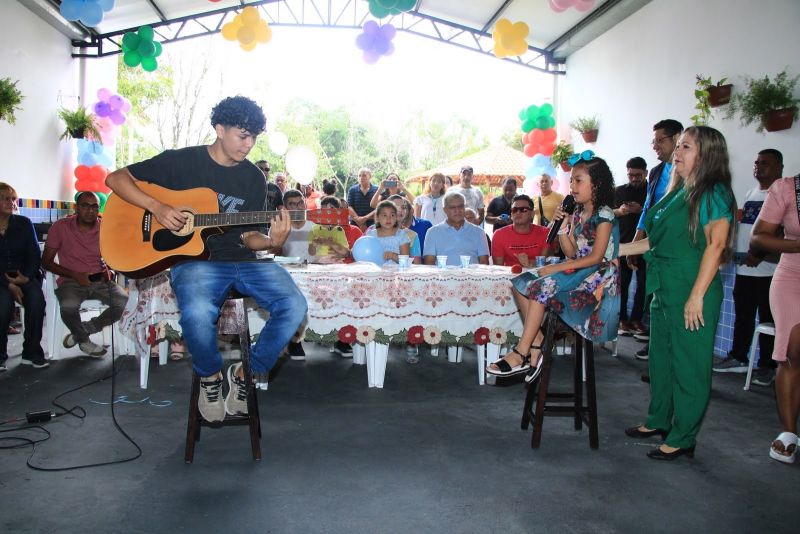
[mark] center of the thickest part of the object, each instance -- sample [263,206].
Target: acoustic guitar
[133,242]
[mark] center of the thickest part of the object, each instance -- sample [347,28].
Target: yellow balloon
[248,47]
[499,51]
[503,26]
[230,30]
[509,42]
[520,29]
[246,35]
[250,16]
[263,32]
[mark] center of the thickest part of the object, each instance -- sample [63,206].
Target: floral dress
[586,299]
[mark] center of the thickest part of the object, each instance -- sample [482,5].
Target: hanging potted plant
[78,123]
[587,126]
[769,103]
[709,95]
[561,154]
[10,99]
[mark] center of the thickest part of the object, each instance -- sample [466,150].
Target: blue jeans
[201,288]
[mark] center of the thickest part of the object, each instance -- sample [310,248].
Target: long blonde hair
[712,169]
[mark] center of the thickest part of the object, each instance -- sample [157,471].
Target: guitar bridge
[147,220]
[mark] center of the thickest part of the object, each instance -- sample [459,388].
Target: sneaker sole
[642,358]
[34,365]
[231,386]
[297,358]
[734,370]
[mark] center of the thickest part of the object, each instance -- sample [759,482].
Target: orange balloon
[550,135]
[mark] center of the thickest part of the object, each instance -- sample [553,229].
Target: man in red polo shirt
[521,241]
[82,274]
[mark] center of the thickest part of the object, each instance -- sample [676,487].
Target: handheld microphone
[567,206]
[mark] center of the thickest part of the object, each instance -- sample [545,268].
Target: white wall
[643,70]
[32,158]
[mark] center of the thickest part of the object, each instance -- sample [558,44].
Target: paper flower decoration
[140,48]
[415,335]
[498,335]
[89,12]
[376,41]
[384,8]
[365,334]
[347,334]
[482,336]
[432,335]
[248,28]
[509,39]
[562,5]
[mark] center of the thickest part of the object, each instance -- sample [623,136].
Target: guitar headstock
[329,216]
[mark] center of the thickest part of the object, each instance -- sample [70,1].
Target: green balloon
[551,122]
[131,58]
[532,112]
[146,33]
[146,49]
[149,64]
[523,114]
[130,41]
[541,123]
[546,110]
[103,199]
[158,48]
[528,125]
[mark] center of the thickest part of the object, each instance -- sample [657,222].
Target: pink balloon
[583,5]
[371,56]
[104,94]
[117,117]
[126,105]
[556,6]
[115,102]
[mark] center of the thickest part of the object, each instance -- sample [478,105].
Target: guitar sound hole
[164,240]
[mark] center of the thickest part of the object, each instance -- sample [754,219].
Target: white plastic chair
[762,328]
[55,326]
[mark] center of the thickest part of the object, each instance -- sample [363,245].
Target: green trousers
[680,366]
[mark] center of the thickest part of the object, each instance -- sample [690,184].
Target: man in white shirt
[754,271]
[473,197]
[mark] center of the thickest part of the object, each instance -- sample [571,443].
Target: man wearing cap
[472,195]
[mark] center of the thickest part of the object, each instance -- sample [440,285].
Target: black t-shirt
[498,206]
[239,188]
[627,223]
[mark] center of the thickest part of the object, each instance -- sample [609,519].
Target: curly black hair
[602,182]
[240,112]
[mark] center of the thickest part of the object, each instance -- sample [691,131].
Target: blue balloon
[368,248]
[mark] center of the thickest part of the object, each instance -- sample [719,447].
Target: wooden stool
[562,404]
[251,419]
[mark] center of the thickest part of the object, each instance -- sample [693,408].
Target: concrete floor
[431,452]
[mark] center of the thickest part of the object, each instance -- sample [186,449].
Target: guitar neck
[246,218]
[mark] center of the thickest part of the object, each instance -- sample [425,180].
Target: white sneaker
[210,403]
[236,399]
[91,348]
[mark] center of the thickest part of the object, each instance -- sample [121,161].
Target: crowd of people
[677,225]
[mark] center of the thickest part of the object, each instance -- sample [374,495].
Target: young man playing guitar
[201,287]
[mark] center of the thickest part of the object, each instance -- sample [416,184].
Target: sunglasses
[520,210]
[586,155]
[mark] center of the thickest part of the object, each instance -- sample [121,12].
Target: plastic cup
[540,261]
[441,262]
[404,261]
[465,261]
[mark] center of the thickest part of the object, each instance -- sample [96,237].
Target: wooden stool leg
[527,407]
[254,423]
[193,425]
[544,381]
[577,381]
[591,397]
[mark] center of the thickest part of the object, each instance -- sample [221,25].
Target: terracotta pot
[565,166]
[719,95]
[590,136]
[780,119]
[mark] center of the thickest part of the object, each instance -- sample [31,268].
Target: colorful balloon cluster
[539,142]
[89,12]
[376,41]
[248,28]
[139,47]
[91,153]
[91,178]
[109,114]
[534,117]
[509,39]
[562,5]
[93,164]
[384,8]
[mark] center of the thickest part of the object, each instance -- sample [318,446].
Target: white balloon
[301,164]
[278,142]
[531,186]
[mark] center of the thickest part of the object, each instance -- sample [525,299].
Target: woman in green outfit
[689,236]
